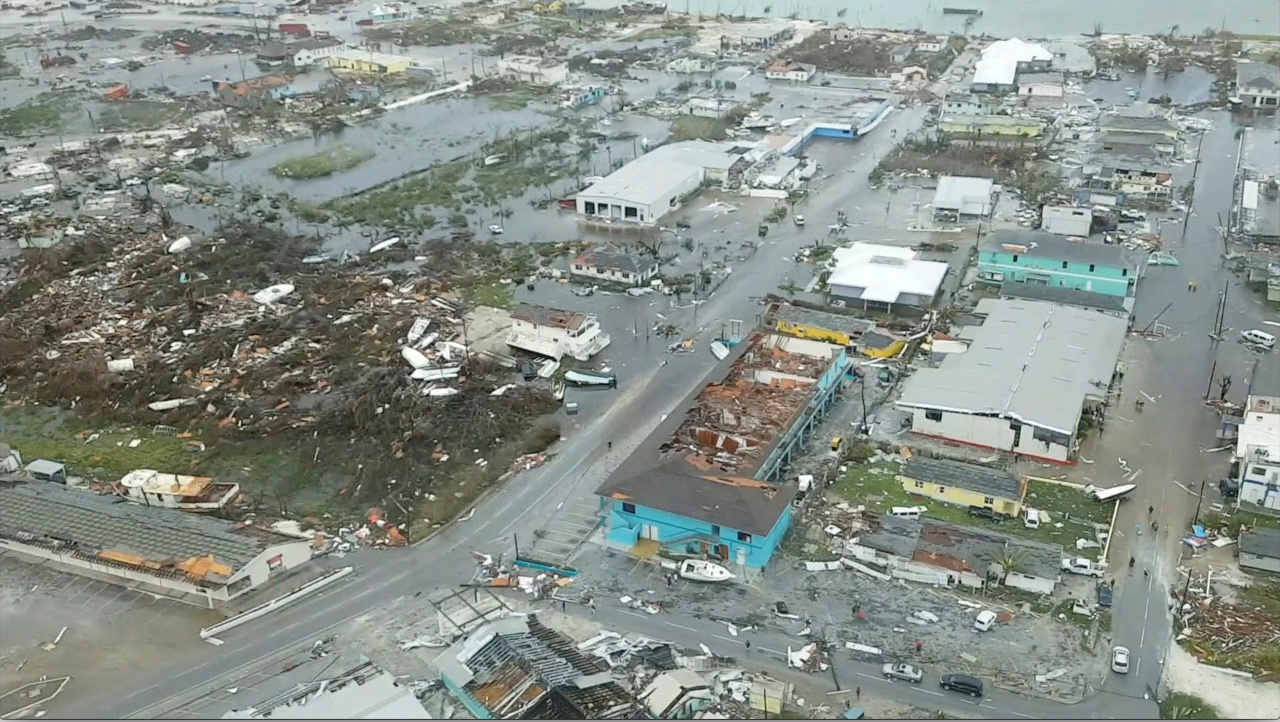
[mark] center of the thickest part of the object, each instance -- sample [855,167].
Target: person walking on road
[857,693]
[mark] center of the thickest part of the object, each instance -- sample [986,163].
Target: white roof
[650,177]
[1259,431]
[885,272]
[999,62]
[1030,360]
[955,191]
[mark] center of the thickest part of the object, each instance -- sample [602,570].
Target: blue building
[583,97]
[707,482]
[1051,260]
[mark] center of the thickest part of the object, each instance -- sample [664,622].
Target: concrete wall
[1259,492]
[1000,266]
[275,559]
[688,535]
[987,432]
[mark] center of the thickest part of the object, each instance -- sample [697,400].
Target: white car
[904,672]
[1120,660]
[495,230]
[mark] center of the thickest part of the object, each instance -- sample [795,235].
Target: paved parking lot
[37,601]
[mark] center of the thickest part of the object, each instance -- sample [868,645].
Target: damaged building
[517,668]
[1030,370]
[362,692]
[198,559]
[936,553]
[706,481]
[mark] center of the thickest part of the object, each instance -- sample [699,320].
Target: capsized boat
[699,570]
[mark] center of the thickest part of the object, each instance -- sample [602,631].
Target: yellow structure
[818,325]
[552,7]
[363,61]
[995,127]
[966,485]
[880,344]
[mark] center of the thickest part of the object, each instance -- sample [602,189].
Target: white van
[985,619]
[1258,338]
[1032,520]
[907,512]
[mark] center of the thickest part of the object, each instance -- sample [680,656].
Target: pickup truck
[1080,565]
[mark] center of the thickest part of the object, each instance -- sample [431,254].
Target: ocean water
[1009,18]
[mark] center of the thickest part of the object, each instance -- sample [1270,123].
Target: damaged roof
[1260,542]
[959,548]
[517,668]
[1029,360]
[1064,296]
[683,488]
[111,528]
[612,260]
[1039,244]
[737,421]
[981,479]
[550,317]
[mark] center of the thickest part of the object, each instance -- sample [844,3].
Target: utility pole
[1212,370]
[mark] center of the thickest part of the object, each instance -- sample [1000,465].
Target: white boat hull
[701,571]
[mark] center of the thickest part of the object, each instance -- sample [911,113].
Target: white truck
[1080,565]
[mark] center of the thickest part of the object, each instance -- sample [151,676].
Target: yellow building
[995,127]
[365,61]
[818,325]
[966,485]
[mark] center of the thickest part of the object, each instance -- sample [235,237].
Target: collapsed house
[516,667]
[198,559]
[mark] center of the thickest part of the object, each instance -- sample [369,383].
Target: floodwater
[406,139]
[1189,87]
[1008,18]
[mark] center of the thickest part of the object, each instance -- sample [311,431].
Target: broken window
[988,500]
[715,530]
[933,415]
[919,484]
[744,537]
[628,507]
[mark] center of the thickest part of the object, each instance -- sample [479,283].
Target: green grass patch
[1182,705]
[41,434]
[665,31]
[497,295]
[42,114]
[1066,501]
[399,202]
[337,159]
[126,115]
[695,127]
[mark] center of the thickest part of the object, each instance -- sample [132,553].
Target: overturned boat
[698,570]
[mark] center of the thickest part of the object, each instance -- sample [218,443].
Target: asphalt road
[1167,440]
[530,501]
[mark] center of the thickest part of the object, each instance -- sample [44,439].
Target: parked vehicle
[1104,595]
[984,512]
[904,672]
[1080,565]
[965,683]
[1032,520]
[1120,660]
[799,220]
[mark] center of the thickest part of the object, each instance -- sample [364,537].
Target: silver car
[1120,660]
[904,672]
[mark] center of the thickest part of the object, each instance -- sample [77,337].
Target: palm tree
[1009,561]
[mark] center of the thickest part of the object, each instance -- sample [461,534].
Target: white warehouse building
[653,185]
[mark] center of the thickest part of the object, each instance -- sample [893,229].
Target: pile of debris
[198,40]
[1213,629]
[257,334]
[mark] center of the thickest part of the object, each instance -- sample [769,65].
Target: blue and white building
[708,482]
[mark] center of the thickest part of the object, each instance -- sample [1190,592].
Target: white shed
[964,195]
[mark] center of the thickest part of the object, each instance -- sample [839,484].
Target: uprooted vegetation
[308,392]
[1013,165]
[338,159]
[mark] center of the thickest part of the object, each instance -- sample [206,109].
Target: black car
[986,513]
[1104,595]
[966,683]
